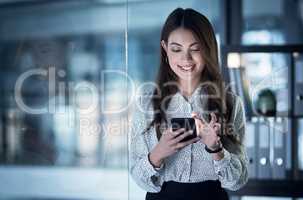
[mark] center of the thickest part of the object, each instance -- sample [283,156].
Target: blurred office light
[233,60]
[262,37]
[272,22]
[259,65]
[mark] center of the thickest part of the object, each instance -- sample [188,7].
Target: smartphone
[187,123]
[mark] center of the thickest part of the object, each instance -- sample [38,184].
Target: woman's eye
[175,50]
[195,49]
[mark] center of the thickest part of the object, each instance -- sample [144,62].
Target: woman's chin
[188,77]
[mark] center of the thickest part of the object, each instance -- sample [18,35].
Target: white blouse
[192,163]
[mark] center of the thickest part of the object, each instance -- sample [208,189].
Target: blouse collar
[195,95]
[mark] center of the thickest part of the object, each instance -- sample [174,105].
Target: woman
[189,84]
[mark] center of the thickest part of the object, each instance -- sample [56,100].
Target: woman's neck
[187,87]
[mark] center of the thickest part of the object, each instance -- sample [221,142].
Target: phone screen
[187,123]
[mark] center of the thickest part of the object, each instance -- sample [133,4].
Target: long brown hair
[200,26]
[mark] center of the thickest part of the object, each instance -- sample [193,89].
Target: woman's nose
[186,56]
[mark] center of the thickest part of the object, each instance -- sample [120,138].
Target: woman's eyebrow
[175,43]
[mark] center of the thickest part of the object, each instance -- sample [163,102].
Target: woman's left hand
[208,132]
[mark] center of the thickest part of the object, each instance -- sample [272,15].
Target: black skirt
[206,190]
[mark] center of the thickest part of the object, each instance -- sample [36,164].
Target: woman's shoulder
[142,111]
[144,98]
[143,102]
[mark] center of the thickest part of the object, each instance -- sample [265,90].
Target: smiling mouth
[188,68]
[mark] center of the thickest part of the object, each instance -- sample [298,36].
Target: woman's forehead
[182,36]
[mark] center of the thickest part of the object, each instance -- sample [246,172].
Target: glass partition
[63,85]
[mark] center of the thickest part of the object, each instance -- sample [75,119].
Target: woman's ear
[164,46]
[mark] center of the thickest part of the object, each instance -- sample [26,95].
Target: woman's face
[184,55]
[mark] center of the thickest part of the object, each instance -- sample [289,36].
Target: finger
[199,122]
[213,118]
[180,145]
[202,132]
[199,125]
[168,130]
[217,124]
[196,116]
[217,127]
[177,132]
[168,133]
[203,120]
[181,137]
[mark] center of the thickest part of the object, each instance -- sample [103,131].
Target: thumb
[198,122]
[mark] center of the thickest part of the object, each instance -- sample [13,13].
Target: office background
[96,52]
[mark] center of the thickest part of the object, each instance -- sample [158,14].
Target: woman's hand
[208,132]
[169,144]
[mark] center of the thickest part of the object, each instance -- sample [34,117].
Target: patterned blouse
[192,163]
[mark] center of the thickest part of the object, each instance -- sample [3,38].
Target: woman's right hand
[169,143]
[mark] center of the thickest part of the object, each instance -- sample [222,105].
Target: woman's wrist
[218,156]
[215,149]
[155,160]
[216,152]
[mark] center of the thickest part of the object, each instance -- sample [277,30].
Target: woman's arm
[142,171]
[232,168]
[147,166]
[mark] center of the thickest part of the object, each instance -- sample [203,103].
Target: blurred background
[69,69]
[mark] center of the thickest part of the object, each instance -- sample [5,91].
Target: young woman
[189,84]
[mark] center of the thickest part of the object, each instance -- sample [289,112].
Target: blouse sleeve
[232,169]
[141,170]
